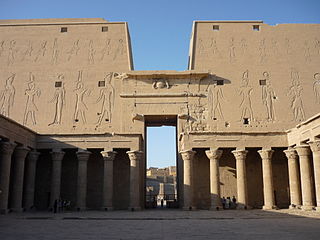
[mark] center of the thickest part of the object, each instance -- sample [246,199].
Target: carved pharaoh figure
[316,87]
[307,51]
[55,52]
[74,50]
[59,101]
[1,47]
[7,97]
[42,51]
[80,107]
[28,52]
[245,92]
[31,107]
[268,97]
[215,96]
[91,52]
[295,92]
[107,97]
[119,50]
[12,52]
[262,50]
[106,49]
[232,51]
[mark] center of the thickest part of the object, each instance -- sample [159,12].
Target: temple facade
[74,115]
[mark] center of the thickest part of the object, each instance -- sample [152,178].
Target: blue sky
[160,29]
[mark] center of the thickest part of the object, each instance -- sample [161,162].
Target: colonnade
[304,183]
[299,196]
[26,190]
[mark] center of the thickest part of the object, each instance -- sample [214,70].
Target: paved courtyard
[162,224]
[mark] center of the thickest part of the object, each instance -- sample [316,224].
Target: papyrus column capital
[187,155]
[108,155]
[214,153]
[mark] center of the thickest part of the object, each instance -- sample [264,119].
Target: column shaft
[83,157]
[135,157]
[19,157]
[57,157]
[214,156]
[32,159]
[268,194]
[306,177]
[187,157]
[315,147]
[108,157]
[294,181]
[242,192]
[6,150]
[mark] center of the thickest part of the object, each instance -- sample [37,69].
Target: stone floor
[162,224]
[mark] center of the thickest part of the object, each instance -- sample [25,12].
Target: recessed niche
[58,84]
[101,83]
[64,29]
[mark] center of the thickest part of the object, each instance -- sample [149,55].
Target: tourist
[223,200]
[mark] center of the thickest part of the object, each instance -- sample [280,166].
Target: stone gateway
[74,115]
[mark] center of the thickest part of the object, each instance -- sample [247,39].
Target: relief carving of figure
[106,49]
[55,52]
[28,52]
[244,46]
[59,98]
[316,87]
[232,52]
[215,96]
[288,45]
[245,92]
[119,50]
[7,97]
[107,97]
[262,50]
[214,47]
[1,47]
[91,53]
[275,47]
[81,107]
[268,97]
[201,48]
[12,52]
[31,107]
[74,50]
[316,46]
[42,51]
[295,92]
[307,51]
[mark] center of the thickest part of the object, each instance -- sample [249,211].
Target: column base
[269,207]
[293,206]
[17,209]
[307,208]
[4,211]
[217,208]
[81,209]
[191,208]
[132,209]
[107,209]
[242,207]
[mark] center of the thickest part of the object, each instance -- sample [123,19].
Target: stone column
[31,165]
[315,148]
[306,177]
[268,189]
[187,157]
[57,156]
[135,157]
[108,157]
[19,157]
[214,156]
[6,150]
[242,192]
[294,181]
[83,157]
